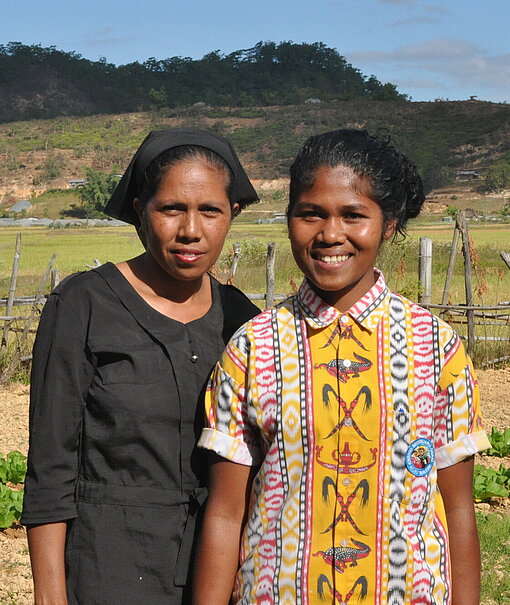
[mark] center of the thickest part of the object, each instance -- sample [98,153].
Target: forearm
[465,557]
[455,484]
[217,561]
[218,551]
[46,544]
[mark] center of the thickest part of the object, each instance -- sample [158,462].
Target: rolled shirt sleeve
[459,430]
[231,429]
[61,375]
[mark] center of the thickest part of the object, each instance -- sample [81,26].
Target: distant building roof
[20,206]
[467,174]
[77,182]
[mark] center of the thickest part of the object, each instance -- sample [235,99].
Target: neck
[151,277]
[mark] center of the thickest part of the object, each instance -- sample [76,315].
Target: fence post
[54,279]
[36,301]
[451,266]
[462,225]
[425,270]
[235,260]
[506,257]
[270,278]
[12,288]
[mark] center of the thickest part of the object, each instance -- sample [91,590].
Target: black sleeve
[61,375]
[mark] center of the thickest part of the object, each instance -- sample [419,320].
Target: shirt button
[194,358]
[344,319]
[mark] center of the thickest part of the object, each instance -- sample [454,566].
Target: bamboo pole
[55,279]
[506,257]
[38,296]
[270,275]
[425,270]
[462,223]
[236,247]
[492,362]
[451,265]
[498,307]
[12,289]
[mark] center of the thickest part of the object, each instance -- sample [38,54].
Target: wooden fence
[466,314]
[477,319]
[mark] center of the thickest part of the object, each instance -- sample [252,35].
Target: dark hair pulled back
[395,183]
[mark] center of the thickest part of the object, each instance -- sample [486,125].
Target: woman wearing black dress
[123,352]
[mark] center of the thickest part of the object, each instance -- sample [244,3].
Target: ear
[389,229]
[236,210]
[139,209]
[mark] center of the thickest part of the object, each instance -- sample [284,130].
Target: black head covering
[120,205]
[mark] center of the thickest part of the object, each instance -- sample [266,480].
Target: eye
[308,215]
[170,209]
[354,216]
[211,210]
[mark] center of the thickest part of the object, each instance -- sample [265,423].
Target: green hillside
[441,137]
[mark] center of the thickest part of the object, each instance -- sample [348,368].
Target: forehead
[337,181]
[194,171]
[194,181]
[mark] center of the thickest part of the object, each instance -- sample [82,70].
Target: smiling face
[185,222]
[336,230]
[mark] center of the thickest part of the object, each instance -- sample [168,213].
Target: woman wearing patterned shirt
[346,418]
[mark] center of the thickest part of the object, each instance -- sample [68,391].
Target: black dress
[113,426]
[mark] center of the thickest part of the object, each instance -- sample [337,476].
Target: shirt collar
[367,311]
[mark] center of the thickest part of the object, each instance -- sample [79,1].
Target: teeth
[333,259]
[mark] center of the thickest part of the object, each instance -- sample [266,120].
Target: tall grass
[78,247]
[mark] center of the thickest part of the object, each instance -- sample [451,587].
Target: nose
[190,227]
[333,231]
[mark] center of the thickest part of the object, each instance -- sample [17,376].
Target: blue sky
[449,49]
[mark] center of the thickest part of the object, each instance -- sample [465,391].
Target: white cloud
[457,63]
[419,83]
[415,21]
[438,10]
[104,36]
[439,49]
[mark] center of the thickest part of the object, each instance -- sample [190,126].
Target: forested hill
[38,82]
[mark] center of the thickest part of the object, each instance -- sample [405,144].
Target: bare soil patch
[15,577]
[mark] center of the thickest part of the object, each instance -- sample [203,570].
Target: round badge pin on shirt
[420,457]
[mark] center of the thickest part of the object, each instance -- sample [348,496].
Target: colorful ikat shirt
[349,417]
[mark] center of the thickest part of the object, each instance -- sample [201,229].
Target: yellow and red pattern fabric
[348,416]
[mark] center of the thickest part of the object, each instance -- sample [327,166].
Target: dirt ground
[15,577]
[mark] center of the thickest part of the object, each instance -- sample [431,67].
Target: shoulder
[272,319]
[73,284]
[236,304]
[77,288]
[421,318]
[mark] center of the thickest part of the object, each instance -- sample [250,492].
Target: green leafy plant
[489,483]
[500,443]
[11,503]
[13,467]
